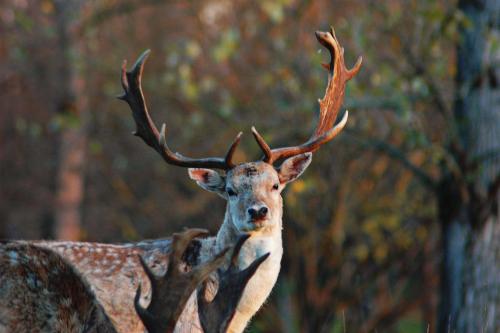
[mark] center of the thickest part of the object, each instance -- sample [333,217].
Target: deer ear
[208,179]
[293,167]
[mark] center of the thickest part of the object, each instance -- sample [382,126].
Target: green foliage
[24,21]
[65,120]
[227,45]
[30,128]
[275,10]
[410,326]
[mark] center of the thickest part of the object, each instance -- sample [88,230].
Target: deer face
[253,190]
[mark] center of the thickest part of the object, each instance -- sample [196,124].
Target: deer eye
[276,186]
[231,192]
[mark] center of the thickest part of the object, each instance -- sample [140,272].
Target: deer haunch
[41,292]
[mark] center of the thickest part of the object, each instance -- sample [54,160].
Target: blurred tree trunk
[72,107]
[471,225]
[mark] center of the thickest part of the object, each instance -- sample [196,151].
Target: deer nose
[257,213]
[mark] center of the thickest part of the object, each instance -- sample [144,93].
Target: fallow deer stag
[254,207]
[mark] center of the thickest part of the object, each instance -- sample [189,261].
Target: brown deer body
[254,207]
[114,273]
[42,292]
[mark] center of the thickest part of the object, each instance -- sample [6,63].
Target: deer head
[252,189]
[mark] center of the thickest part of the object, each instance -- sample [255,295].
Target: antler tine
[147,131]
[268,154]
[216,315]
[180,242]
[171,291]
[237,248]
[338,75]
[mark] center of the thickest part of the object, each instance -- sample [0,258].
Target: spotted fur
[41,292]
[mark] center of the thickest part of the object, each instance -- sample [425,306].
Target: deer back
[114,273]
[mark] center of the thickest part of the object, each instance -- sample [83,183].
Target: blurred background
[393,228]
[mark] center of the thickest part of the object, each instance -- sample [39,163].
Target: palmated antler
[338,75]
[170,292]
[216,315]
[146,129]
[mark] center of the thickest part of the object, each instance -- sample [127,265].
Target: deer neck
[261,284]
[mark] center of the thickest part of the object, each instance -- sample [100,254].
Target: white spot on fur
[31,280]
[13,256]
[75,322]
[130,262]
[66,302]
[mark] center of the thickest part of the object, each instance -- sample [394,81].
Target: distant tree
[462,164]
[469,196]
[73,110]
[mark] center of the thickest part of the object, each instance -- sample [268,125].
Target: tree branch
[419,69]
[494,188]
[397,154]
[101,15]
[477,160]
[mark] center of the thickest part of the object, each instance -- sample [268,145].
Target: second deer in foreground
[254,206]
[42,292]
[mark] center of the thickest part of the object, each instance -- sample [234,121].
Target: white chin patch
[255,226]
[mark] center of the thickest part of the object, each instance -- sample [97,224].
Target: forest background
[394,227]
